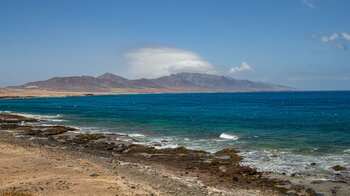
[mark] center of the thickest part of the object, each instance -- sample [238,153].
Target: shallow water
[276,131]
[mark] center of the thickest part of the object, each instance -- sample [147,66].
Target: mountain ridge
[175,82]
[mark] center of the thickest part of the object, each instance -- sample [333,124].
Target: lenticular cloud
[162,60]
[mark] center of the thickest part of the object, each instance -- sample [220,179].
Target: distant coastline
[110,84]
[6,93]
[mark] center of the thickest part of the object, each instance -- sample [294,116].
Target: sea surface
[281,132]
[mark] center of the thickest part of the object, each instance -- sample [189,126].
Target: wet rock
[230,152]
[313,163]
[6,126]
[312,192]
[298,188]
[241,170]
[317,182]
[13,118]
[181,150]
[86,138]
[137,148]
[49,130]
[221,167]
[338,168]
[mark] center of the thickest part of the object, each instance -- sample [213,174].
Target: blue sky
[299,43]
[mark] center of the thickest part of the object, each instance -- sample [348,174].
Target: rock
[181,150]
[43,131]
[86,138]
[243,170]
[317,182]
[13,118]
[230,152]
[313,163]
[109,148]
[94,175]
[312,192]
[338,168]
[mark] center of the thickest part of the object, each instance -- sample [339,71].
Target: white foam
[347,151]
[78,128]
[52,118]
[290,162]
[136,135]
[228,136]
[167,146]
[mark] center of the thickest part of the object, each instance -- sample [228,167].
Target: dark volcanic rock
[338,168]
[13,118]
[49,130]
[220,169]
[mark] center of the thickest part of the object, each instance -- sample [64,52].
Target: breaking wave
[228,136]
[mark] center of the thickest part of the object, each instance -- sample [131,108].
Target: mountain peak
[110,76]
[179,82]
[107,74]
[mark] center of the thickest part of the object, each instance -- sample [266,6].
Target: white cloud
[345,35]
[340,47]
[313,36]
[331,38]
[156,61]
[308,3]
[243,67]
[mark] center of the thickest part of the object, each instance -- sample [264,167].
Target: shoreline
[6,93]
[220,170]
[10,93]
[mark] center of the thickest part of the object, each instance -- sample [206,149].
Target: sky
[298,43]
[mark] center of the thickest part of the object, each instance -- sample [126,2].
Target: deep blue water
[310,126]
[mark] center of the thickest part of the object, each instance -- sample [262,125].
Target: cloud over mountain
[155,61]
[243,67]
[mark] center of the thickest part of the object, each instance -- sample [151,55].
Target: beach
[175,98]
[41,160]
[39,166]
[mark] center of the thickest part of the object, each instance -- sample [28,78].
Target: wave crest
[136,135]
[228,136]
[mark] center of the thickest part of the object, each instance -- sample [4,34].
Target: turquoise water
[276,131]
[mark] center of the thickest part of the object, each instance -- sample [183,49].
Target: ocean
[281,132]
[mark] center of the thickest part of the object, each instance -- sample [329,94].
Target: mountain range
[180,82]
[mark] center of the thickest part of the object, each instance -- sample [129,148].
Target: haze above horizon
[298,43]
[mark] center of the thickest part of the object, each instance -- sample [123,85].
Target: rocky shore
[140,169]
